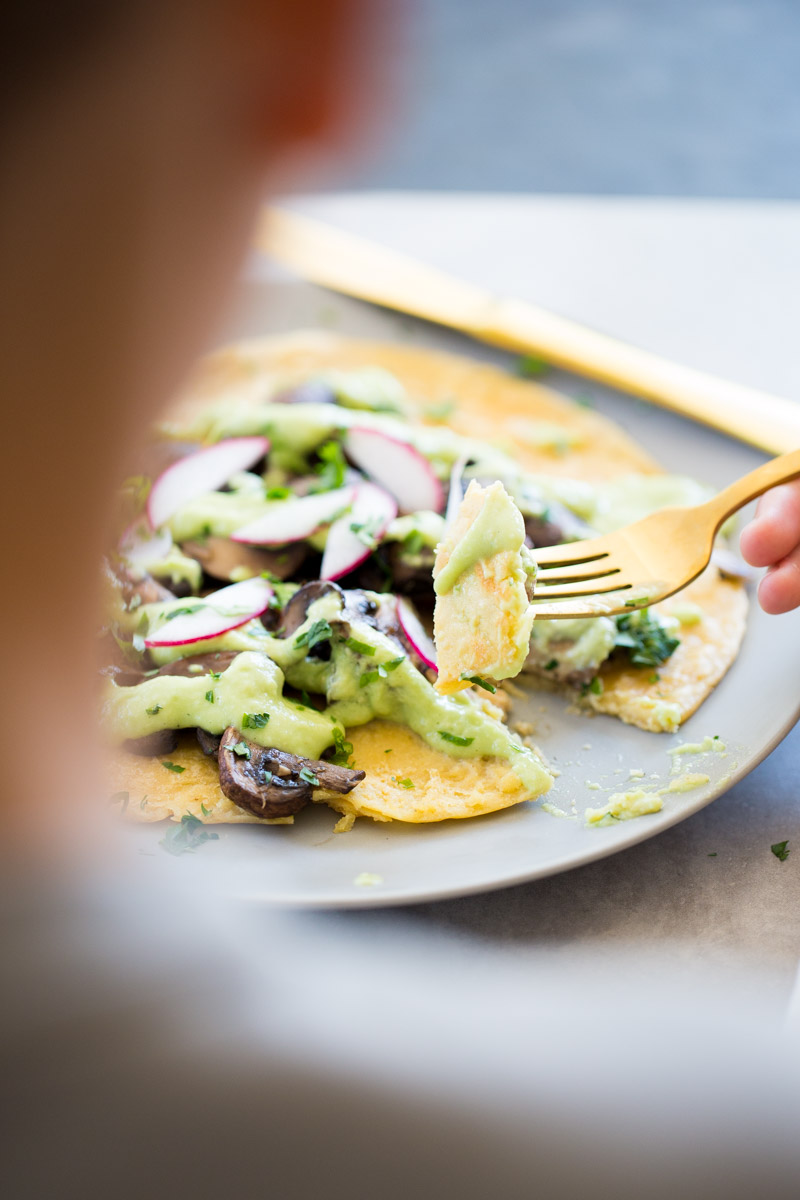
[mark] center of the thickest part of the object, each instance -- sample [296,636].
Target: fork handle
[755,483]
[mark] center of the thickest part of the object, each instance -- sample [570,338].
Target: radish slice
[373,509]
[416,633]
[206,471]
[215,614]
[294,519]
[140,547]
[397,467]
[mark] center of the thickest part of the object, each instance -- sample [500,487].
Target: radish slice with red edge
[346,548]
[416,633]
[213,615]
[294,519]
[141,547]
[396,466]
[206,471]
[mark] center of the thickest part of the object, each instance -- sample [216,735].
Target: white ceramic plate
[308,865]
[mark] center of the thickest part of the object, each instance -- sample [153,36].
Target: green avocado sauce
[358,687]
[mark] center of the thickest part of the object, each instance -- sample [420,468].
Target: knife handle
[770,422]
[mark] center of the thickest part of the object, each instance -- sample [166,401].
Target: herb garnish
[240,748]
[185,611]
[342,749]
[551,666]
[215,675]
[531,365]
[278,493]
[254,720]
[210,696]
[413,542]
[480,682]
[309,777]
[320,631]
[455,738]
[781,850]
[171,766]
[151,712]
[367,531]
[187,836]
[381,671]
[645,638]
[359,647]
[406,783]
[331,467]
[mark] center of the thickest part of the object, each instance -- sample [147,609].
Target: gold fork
[649,560]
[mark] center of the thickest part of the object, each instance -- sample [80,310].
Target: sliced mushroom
[134,586]
[296,610]
[200,664]
[556,524]
[311,391]
[209,742]
[162,741]
[274,783]
[223,559]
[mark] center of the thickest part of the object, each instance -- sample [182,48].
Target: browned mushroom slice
[200,664]
[274,783]
[209,742]
[162,741]
[296,610]
[142,588]
[223,559]
[556,524]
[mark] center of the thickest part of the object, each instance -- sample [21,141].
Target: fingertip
[779,590]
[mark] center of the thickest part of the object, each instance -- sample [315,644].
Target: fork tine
[571,552]
[602,568]
[582,588]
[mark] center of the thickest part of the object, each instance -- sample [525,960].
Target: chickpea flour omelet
[270,598]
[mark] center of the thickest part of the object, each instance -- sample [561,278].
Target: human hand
[772,540]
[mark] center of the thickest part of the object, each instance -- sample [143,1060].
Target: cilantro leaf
[781,850]
[645,638]
[331,468]
[342,749]
[359,647]
[531,365]
[254,720]
[156,708]
[479,682]
[241,749]
[309,777]
[320,631]
[185,611]
[455,738]
[183,838]
[210,696]
[174,767]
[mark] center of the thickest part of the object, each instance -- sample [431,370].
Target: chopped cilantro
[185,611]
[413,542]
[406,783]
[645,638]
[381,671]
[215,675]
[187,836]
[654,678]
[596,686]
[320,631]
[713,854]
[241,749]
[479,682]
[551,666]
[309,777]
[342,749]
[359,647]
[278,493]
[781,850]
[171,766]
[531,365]
[210,696]
[205,811]
[331,468]
[254,720]
[156,708]
[455,738]
[367,531]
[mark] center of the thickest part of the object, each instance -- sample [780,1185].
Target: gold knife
[349,264]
